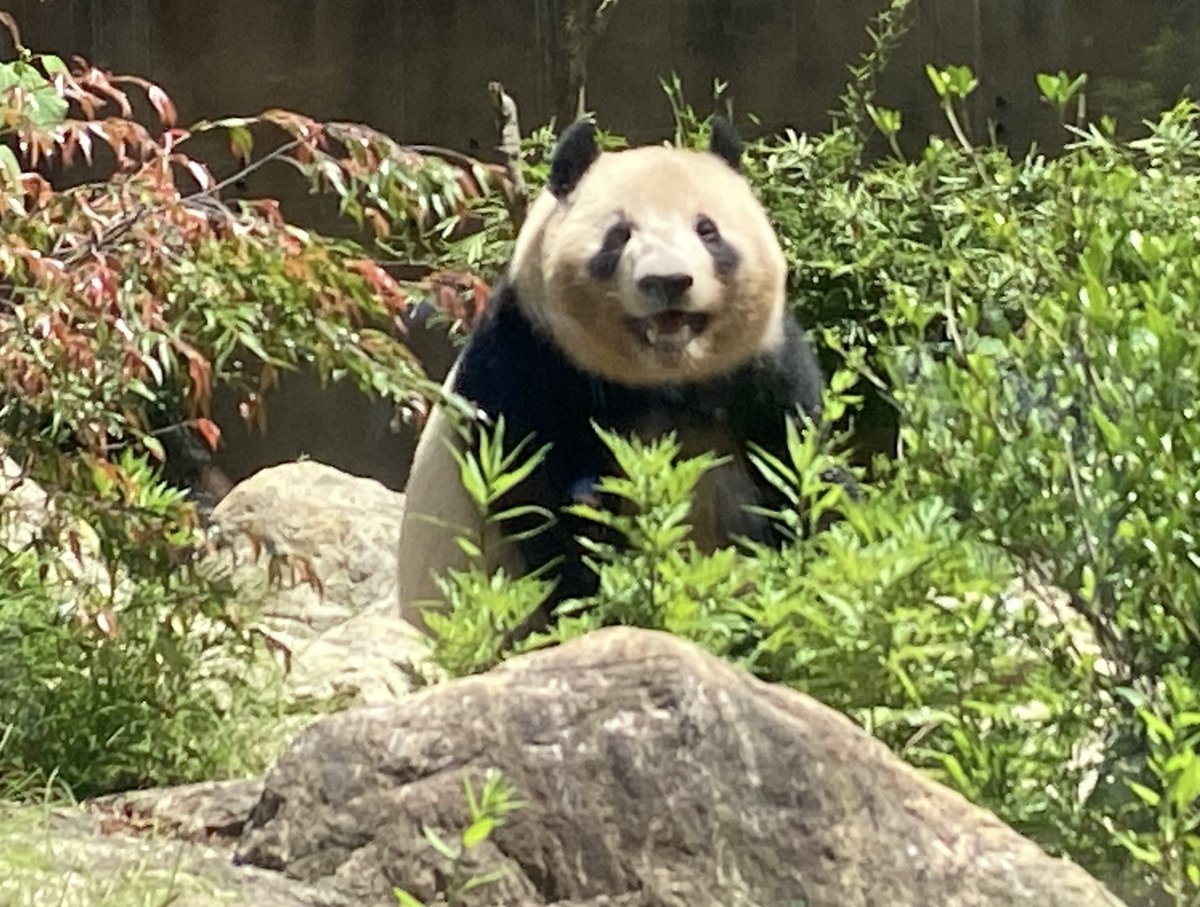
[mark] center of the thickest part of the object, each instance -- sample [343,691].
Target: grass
[51,856]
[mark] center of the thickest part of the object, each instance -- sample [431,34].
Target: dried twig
[508,139]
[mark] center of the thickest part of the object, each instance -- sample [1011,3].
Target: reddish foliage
[209,431]
[384,285]
[460,295]
[108,282]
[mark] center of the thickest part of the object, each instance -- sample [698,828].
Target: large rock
[28,514]
[345,638]
[655,775]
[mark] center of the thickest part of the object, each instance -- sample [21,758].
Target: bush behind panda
[646,293]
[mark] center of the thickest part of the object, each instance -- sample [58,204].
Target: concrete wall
[418,69]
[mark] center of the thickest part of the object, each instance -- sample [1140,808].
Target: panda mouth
[669,330]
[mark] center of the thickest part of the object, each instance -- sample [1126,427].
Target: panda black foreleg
[787,383]
[555,547]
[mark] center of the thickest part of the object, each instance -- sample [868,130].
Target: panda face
[659,266]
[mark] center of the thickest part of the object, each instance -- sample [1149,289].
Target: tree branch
[508,143]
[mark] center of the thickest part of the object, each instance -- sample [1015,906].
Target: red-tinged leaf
[151,312]
[163,104]
[98,223]
[200,373]
[379,223]
[31,148]
[460,295]
[467,184]
[200,174]
[116,136]
[299,126]
[67,146]
[209,431]
[381,282]
[86,103]
[268,378]
[480,292]
[99,83]
[268,209]
[85,144]
[73,542]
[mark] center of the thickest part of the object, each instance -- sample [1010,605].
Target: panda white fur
[646,293]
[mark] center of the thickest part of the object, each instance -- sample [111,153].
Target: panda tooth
[652,333]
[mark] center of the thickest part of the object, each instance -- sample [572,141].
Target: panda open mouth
[669,330]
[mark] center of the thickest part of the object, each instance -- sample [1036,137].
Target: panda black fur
[646,293]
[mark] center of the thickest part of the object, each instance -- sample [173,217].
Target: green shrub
[1015,606]
[110,678]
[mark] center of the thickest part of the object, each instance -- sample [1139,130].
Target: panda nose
[665,288]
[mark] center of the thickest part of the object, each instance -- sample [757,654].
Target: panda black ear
[574,153]
[725,142]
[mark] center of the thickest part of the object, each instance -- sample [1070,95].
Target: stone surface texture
[655,775]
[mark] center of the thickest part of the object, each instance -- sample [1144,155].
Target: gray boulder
[655,774]
[342,638]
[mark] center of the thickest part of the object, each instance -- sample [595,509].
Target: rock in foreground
[655,775]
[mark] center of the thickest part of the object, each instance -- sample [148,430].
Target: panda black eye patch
[725,256]
[603,265]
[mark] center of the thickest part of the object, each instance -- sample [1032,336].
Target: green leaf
[155,447]
[53,65]
[478,831]
[437,843]
[1140,852]
[1050,86]
[43,105]
[1145,794]
[487,878]
[1158,728]
[938,79]
[955,770]
[1186,788]
[10,166]
[405,899]
[241,142]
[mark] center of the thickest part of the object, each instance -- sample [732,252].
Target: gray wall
[417,68]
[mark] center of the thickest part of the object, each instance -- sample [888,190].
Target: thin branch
[116,231]
[508,143]
[246,171]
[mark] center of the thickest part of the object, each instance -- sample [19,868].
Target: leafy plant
[487,811]
[1059,89]
[1017,590]
[1172,844]
[110,676]
[481,606]
[1032,321]
[131,285]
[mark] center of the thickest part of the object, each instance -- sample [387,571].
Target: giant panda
[645,294]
